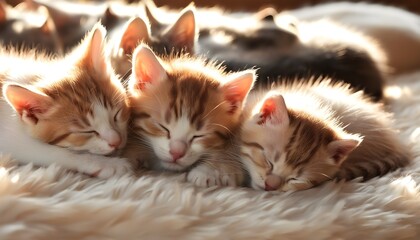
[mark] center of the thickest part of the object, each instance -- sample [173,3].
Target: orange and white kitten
[297,136]
[174,38]
[186,114]
[70,111]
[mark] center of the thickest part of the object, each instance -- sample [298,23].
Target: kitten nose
[272,183]
[177,149]
[113,138]
[115,143]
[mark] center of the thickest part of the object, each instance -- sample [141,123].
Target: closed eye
[270,165]
[116,116]
[291,179]
[195,137]
[166,130]
[89,132]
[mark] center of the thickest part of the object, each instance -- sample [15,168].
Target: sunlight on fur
[407,184]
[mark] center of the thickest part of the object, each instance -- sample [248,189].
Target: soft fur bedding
[51,203]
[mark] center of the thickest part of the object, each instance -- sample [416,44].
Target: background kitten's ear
[266,14]
[182,33]
[48,26]
[94,52]
[3,14]
[135,31]
[340,149]
[149,6]
[274,111]
[237,87]
[146,69]
[30,104]
[109,17]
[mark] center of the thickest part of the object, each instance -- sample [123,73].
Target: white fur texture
[50,203]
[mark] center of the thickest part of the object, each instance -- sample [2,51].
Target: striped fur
[298,151]
[78,97]
[191,105]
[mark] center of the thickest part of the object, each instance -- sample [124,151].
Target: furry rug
[50,203]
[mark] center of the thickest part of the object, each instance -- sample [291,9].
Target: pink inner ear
[182,33]
[237,88]
[135,32]
[274,110]
[27,102]
[267,110]
[144,76]
[146,68]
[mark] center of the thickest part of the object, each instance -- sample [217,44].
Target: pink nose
[269,188]
[273,182]
[177,149]
[115,143]
[176,155]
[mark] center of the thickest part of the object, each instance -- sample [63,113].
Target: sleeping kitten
[172,39]
[22,29]
[186,114]
[68,111]
[297,136]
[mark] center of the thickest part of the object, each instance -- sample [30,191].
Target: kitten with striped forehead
[299,135]
[70,111]
[186,113]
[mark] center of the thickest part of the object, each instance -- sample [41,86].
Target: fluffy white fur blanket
[50,203]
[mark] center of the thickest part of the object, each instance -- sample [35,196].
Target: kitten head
[173,38]
[28,28]
[288,150]
[178,35]
[183,107]
[80,104]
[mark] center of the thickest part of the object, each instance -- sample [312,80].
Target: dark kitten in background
[290,51]
[28,29]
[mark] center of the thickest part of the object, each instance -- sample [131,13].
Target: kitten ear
[237,87]
[148,5]
[135,31]
[94,57]
[146,69]
[3,14]
[182,33]
[266,14]
[338,150]
[48,26]
[274,111]
[30,104]
[109,16]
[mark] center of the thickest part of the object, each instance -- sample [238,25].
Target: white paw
[206,176]
[105,167]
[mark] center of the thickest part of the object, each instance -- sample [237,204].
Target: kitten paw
[106,167]
[206,176]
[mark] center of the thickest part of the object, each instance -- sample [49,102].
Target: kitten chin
[186,113]
[58,116]
[297,136]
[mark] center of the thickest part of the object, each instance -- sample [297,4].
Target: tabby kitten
[68,111]
[185,115]
[297,136]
